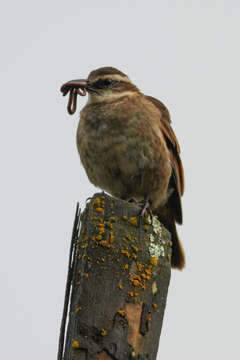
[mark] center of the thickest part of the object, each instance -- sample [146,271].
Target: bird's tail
[178,256]
[167,219]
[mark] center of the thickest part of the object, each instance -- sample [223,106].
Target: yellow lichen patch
[85,238]
[97,201]
[154,305]
[146,227]
[112,218]
[125,252]
[101,230]
[134,256]
[78,309]
[149,272]
[111,236]
[135,248]
[131,293]
[164,234]
[133,221]
[144,276]
[121,312]
[103,242]
[99,237]
[124,217]
[75,344]
[170,243]
[79,271]
[169,256]
[103,260]
[99,209]
[153,261]
[85,275]
[140,266]
[84,246]
[120,286]
[125,267]
[135,276]
[128,236]
[93,238]
[136,282]
[103,332]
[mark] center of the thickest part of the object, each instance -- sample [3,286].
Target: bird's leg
[146,207]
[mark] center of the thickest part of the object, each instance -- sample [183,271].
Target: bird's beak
[80,85]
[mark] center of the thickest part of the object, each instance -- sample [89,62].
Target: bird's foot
[145,205]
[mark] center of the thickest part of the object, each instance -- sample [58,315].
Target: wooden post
[120,276]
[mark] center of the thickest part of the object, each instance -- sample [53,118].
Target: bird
[128,147]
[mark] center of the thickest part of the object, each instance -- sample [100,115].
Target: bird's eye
[107,82]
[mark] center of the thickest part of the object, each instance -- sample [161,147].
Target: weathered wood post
[119,276]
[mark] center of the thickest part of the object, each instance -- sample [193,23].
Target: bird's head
[103,84]
[107,84]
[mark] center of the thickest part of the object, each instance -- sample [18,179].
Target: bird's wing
[177,179]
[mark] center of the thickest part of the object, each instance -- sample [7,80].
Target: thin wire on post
[75,236]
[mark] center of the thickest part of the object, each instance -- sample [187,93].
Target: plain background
[185,53]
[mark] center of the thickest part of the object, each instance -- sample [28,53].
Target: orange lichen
[144,276]
[79,271]
[135,276]
[75,344]
[136,282]
[112,218]
[140,266]
[120,286]
[169,256]
[149,272]
[128,236]
[153,261]
[101,230]
[99,237]
[121,312]
[124,217]
[99,209]
[103,332]
[125,252]
[135,248]
[78,309]
[85,275]
[131,293]
[85,238]
[111,236]
[103,242]
[154,305]
[84,246]
[134,256]
[146,227]
[133,221]
[125,267]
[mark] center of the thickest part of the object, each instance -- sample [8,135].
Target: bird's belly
[124,166]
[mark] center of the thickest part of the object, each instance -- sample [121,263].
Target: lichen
[75,344]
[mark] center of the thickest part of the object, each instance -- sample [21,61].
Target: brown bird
[128,148]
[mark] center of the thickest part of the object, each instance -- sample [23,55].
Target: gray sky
[185,53]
